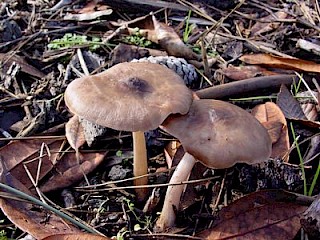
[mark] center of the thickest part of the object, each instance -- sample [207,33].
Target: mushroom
[130,96]
[219,135]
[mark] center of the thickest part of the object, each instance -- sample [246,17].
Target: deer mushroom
[130,96]
[219,135]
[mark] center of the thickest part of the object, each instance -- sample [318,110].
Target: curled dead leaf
[272,118]
[162,34]
[75,133]
[171,42]
[310,111]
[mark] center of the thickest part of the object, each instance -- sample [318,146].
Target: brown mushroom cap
[129,96]
[220,134]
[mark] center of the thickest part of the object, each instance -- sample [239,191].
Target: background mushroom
[219,135]
[130,97]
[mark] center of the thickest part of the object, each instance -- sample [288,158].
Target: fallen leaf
[69,171]
[87,16]
[244,72]
[7,60]
[310,111]
[66,168]
[161,33]
[261,215]
[313,150]
[292,109]
[145,28]
[173,151]
[268,23]
[91,7]
[307,123]
[75,133]
[17,153]
[274,129]
[29,217]
[289,105]
[77,236]
[281,62]
[171,42]
[306,118]
[272,118]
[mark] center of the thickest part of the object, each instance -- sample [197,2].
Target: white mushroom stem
[140,165]
[173,194]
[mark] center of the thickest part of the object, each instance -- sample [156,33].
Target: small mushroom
[132,97]
[219,135]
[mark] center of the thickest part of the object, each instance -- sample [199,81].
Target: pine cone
[185,70]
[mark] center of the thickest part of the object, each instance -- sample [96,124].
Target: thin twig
[147,186]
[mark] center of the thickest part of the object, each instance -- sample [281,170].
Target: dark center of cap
[136,85]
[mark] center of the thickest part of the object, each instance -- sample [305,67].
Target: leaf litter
[261,55]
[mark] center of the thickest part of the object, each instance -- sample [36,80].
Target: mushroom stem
[173,194]
[140,165]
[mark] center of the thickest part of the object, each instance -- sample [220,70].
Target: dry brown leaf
[244,72]
[274,130]
[87,16]
[164,35]
[171,42]
[7,60]
[145,27]
[281,62]
[268,23]
[28,217]
[289,105]
[303,114]
[292,110]
[67,169]
[16,153]
[307,123]
[310,111]
[75,133]
[78,236]
[271,116]
[91,7]
[171,150]
[260,215]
